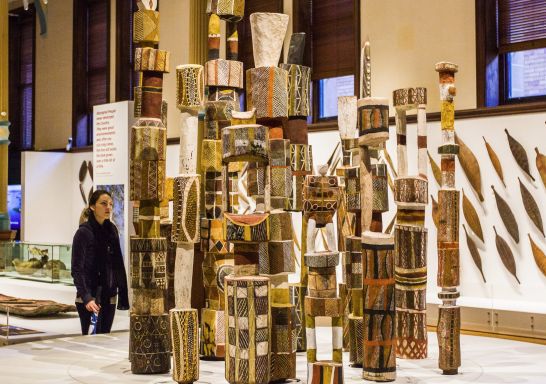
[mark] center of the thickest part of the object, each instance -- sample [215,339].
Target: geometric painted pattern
[248,329]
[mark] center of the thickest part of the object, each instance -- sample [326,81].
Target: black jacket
[97,262]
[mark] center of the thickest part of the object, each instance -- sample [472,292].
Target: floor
[103,359]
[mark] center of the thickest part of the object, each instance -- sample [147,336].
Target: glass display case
[37,261]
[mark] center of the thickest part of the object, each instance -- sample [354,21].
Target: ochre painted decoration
[230,10]
[246,228]
[146,26]
[218,116]
[283,346]
[351,175]
[246,143]
[267,91]
[211,155]
[373,121]
[379,331]
[213,194]
[224,73]
[248,337]
[149,344]
[186,208]
[299,80]
[411,193]
[165,230]
[148,302]
[411,282]
[449,325]
[190,87]
[320,197]
[146,179]
[185,346]
[213,333]
[214,37]
[325,373]
[216,266]
[148,269]
[151,59]
[148,140]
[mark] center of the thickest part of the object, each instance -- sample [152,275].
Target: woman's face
[103,208]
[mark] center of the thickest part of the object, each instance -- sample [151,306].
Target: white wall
[52,201]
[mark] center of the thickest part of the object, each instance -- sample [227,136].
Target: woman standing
[97,266]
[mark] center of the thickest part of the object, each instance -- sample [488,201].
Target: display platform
[103,359]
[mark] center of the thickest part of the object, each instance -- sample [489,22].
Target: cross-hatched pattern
[148,140]
[184,336]
[147,179]
[190,86]
[299,80]
[230,10]
[146,26]
[224,73]
[186,203]
[267,91]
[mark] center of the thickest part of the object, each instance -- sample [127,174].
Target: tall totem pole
[149,346]
[378,324]
[449,318]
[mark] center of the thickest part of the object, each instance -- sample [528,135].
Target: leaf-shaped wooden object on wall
[90,168]
[84,198]
[471,217]
[507,216]
[541,166]
[470,166]
[506,255]
[474,253]
[531,207]
[90,193]
[519,154]
[540,257]
[495,161]
[436,171]
[83,171]
[434,210]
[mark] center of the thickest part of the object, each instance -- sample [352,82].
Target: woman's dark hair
[95,196]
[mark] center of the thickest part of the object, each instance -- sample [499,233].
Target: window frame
[491,63]
[80,73]
[302,22]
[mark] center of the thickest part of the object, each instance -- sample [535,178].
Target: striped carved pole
[449,318]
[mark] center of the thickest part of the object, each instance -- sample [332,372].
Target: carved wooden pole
[449,318]
[377,258]
[149,349]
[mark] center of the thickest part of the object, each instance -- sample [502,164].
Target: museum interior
[268,191]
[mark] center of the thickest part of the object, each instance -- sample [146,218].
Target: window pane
[527,73]
[330,89]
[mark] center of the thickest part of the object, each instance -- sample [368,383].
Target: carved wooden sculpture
[378,322]
[411,197]
[223,79]
[321,198]
[149,347]
[449,319]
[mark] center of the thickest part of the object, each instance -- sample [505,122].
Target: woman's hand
[92,306]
